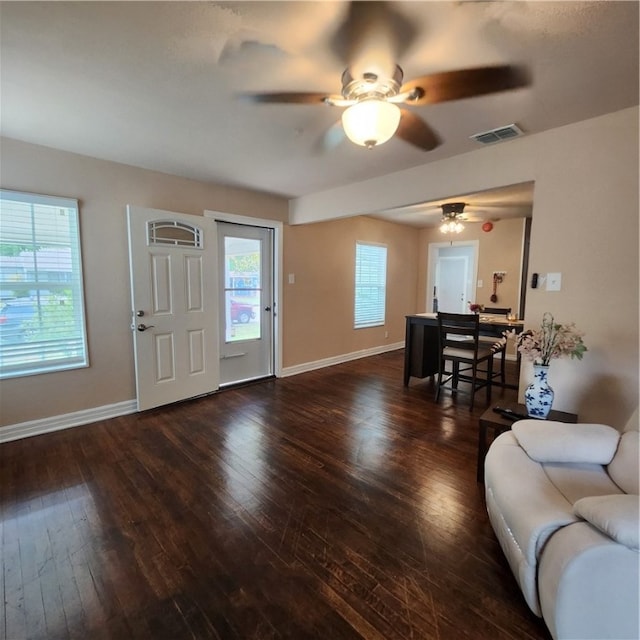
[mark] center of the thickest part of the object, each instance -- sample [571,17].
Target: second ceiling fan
[370,41]
[453,215]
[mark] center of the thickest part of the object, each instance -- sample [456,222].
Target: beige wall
[498,250]
[104,189]
[318,308]
[585,226]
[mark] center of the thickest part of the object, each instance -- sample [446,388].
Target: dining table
[421,351]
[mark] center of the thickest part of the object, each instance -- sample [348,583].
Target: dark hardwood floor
[335,504]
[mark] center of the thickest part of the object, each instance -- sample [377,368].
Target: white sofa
[563,502]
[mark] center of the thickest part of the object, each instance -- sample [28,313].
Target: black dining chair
[463,357]
[498,311]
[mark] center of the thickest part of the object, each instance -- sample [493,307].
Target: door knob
[140,313]
[144,327]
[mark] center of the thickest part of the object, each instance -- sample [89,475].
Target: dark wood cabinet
[421,349]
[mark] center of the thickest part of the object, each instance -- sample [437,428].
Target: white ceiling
[155,84]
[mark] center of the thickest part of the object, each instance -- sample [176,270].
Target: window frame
[78,343]
[380,319]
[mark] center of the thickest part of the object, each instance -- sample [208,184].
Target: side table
[499,424]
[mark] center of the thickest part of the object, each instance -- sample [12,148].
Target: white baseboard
[75,419]
[345,357]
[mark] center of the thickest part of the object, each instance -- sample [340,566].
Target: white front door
[173,267]
[247,307]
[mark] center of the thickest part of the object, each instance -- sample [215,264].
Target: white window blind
[41,306]
[371,281]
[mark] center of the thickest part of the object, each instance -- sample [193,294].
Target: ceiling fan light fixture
[451,226]
[371,122]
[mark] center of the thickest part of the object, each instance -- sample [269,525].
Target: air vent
[498,135]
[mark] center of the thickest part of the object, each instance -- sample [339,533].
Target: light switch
[480,284]
[292,278]
[554,281]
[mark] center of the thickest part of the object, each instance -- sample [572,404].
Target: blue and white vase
[538,396]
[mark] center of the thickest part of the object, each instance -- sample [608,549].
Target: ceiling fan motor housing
[452,209]
[370,85]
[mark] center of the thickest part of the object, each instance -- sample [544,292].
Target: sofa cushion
[551,441]
[623,469]
[617,516]
[578,480]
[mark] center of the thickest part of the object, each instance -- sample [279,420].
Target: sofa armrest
[525,510]
[589,585]
[551,441]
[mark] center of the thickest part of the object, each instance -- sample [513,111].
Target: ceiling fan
[453,215]
[370,41]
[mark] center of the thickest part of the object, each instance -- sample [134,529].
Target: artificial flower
[551,341]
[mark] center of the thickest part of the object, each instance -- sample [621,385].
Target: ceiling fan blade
[465,83]
[416,131]
[372,38]
[332,137]
[287,97]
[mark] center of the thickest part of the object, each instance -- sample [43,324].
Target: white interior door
[453,268]
[174,305]
[247,306]
[451,277]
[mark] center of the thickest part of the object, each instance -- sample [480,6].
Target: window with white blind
[41,305]
[371,283]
